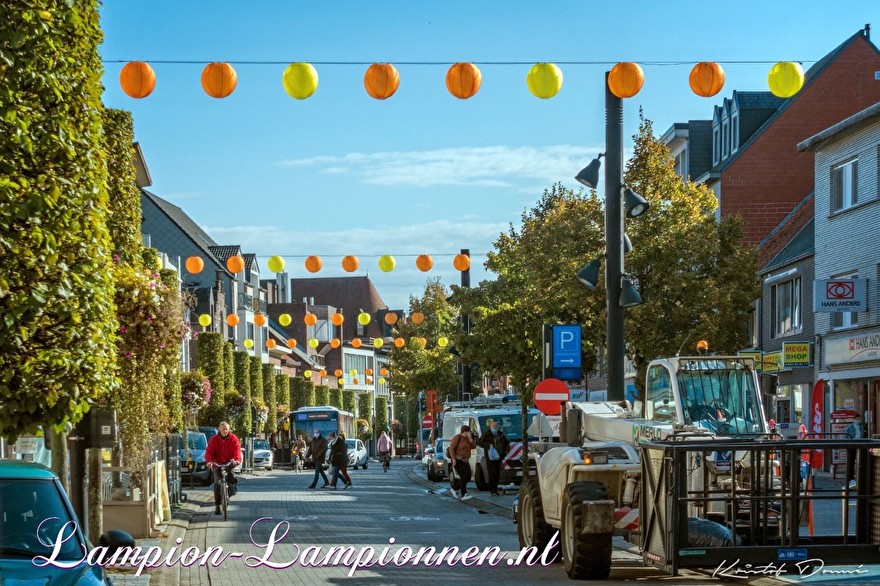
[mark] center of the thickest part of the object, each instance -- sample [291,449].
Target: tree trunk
[95,496]
[58,448]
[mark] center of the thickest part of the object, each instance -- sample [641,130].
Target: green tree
[697,277]
[228,366]
[282,392]
[242,382]
[58,332]
[348,401]
[381,415]
[416,367]
[269,397]
[209,355]
[322,395]
[365,407]
[335,397]
[256,375]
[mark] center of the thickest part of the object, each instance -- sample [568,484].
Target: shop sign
[796,354]
[833,295]
[860,347]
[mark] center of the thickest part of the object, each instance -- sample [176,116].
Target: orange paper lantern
[334,343]
[399,342]
[355,381]
[463,80]
[350,263]
[417,317]
[310,319]
[381,80]
[424,263]
[461,262]
[219,79]
[195,264]
[291,343]
[423,342]
[314,264]
[390,318]
[368,372]
[626,79]
[270,344]
[259,319]
[235,264]
[706,79]
[323,373]
[384,372]
[337,319]
[138,80]
[337,372]
[232,320]
[356,343]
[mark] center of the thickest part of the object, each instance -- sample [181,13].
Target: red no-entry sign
[549,393]
[427,422]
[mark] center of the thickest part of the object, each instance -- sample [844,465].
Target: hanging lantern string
[671,63]
[395,254]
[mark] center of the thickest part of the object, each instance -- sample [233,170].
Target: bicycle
[386,461]
[224,486]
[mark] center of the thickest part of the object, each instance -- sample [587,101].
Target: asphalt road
[397,514]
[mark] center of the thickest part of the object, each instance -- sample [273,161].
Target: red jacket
[222,450]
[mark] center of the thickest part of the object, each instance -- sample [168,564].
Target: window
[845,319]
[785,306]
[681,164]
[734,125]
[753,328]
[725,139]
[844,185]
[660,402]
[716,145]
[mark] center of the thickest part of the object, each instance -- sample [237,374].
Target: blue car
[33,510]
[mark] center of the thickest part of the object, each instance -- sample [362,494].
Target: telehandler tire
[584,556]
[532,529]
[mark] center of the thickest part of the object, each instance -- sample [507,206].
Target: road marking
[415,518]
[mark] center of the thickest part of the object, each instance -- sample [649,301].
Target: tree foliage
[242,377]
[269,396]
[256,376]
[57,332]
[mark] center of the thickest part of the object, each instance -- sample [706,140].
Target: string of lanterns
[463,80]
[313,264]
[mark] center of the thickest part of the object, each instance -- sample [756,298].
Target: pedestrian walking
[337,454]
[495,446]
[343,470]
[317,453]
[460,455]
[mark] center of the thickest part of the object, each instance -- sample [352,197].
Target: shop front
[851,366]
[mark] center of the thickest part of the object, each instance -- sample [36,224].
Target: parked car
[33,509]
[437,465]
[192,459]
[357,453]
[263,455]
[429,455]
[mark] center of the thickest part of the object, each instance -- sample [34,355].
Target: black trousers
[230,479]
[494,467]
[463,471]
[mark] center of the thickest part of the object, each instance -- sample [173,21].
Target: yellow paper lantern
[137,79]
[275,264]
[381,381]
[259,320]
[378,342]
[386,263]
[340,381]
[356,343]
[235,264]
[463,80]
[390,318]
[352,372]
[350,263]
[314,264]
[424,262]
[270,343]
[334,343]
[291,342]
[461,262]
[626,79]
[381,80]
[310,319]
[232,320]
[785,79]
[307,374]
[195,264]
[384,372]
[363,318]
[300,80]
[544,80]
[204,320]
[248,343]
[337,319]
[284,319]
[417,317]
[219,79]
[442,341]
[399,342]
[706,79]
[313,343]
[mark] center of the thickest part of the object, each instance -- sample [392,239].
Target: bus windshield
[721,396]
[305,421]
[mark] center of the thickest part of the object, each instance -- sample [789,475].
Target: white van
[510,423]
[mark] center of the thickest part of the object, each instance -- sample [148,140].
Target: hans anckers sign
[832,295]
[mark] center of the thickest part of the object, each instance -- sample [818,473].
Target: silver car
[357,453]
[263,457]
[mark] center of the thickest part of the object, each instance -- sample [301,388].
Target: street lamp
[620,289]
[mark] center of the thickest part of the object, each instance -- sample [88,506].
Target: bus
[305,420]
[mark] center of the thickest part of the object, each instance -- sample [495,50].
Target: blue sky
[422,172]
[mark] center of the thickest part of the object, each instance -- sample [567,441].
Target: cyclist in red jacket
[223,449]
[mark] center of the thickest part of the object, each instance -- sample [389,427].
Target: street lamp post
[619,290]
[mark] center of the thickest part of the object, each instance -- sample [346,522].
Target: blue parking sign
[567,346]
